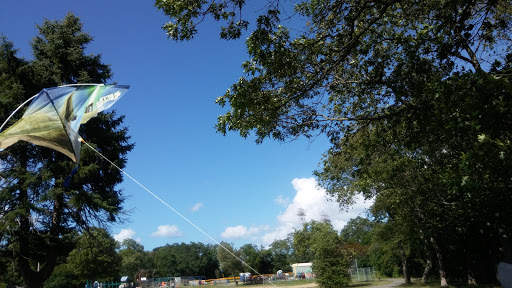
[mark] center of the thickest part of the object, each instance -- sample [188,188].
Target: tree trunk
[405,269]
[439,255]
[31,278]
[427,271]
[428,264]
[471,278]
[471,275]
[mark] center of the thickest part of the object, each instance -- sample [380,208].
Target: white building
[306,268]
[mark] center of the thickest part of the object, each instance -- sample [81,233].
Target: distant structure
[326,218]
[302,215]
[143,277]
[302,270]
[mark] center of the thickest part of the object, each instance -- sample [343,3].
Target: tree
[229,265]
[331,260]
[259,259]
[346,54]
[95,256]
[357,234]
[133,257]
[384,253]
[357,230]
[421,183]
[63,276]
[165,261]
[282,251]
[423,87]
[193,259]
[12,70]
[39,215]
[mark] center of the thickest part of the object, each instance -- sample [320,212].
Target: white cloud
[316,205]
[168,231]
[280,200]
[196,207]
[124,234]
[241,231]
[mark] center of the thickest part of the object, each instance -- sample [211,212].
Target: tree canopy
[415,97]
[95,256]
[347,62]
[331,258]
[193,259]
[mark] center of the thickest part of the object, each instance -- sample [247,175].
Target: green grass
[368,283]
[282,283]
[354,284]
[435,284]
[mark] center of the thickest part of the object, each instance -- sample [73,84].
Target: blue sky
[231,188]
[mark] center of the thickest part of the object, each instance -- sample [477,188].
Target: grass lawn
[354,284]
[369,283]
[416,283]
[288,283]
[294,283]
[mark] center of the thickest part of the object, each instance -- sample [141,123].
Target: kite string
[170,207]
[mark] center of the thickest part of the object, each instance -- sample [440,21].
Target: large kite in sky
[55,114]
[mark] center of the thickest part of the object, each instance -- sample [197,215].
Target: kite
[54,116]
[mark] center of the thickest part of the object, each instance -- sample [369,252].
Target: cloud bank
[310,199]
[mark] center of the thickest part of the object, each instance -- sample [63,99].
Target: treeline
[97,256]
[364,242]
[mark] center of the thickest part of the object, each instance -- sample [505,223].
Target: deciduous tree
[331,260]
[133,258]
[357,234]
[193,259]
[282,254]
[229,265]
[423,87]
[95,256]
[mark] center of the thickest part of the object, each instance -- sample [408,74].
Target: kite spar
[14,112]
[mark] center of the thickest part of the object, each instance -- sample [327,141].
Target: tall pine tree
[38,215]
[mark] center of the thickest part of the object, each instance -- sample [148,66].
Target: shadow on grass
[435,284]
[280,283]
[368,283]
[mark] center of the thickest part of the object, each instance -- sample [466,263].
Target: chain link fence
[363,274]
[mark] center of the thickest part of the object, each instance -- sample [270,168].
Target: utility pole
[302,215]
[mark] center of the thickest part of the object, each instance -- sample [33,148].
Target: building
[302,270]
